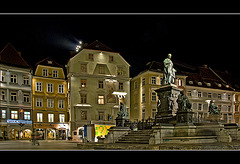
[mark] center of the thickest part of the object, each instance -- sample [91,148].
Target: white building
[16,95]
[94,74]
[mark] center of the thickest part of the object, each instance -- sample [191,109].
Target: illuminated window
[45,72]
[26,115]
[4,113]
[50,117]
[39,117]
[83,83]
[62,118]
[13,78]
[14,114]
[100,99]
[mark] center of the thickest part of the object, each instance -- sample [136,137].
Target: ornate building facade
[50,114]
[98,81]
[16,95]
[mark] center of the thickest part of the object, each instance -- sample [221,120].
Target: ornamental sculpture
[213,109]
[168,71]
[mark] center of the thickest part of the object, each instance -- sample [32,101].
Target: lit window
[100,99]
[62,118]
[4,113]
[26,115]
[39,117]
[14,114]
[50,117]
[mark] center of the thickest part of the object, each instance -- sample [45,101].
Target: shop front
[18,129]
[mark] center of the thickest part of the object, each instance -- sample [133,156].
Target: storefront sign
[18,121]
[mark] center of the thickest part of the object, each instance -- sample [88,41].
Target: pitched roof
[10,56]
[49,62]
[96,45]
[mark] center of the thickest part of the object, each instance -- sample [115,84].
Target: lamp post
[79,46]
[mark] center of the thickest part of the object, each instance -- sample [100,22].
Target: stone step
[194,139]
[133,142]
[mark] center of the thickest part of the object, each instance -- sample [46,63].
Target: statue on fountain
[168,71]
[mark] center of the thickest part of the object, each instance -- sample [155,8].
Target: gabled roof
[49,62]
[96,45]
[10,56]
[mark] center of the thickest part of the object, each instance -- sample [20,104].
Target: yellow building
[143,97]
[50,115]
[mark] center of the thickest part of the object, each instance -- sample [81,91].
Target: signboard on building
[19,121]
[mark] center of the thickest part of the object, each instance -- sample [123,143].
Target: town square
[85,87]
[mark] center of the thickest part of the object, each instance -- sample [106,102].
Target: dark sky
[193,39]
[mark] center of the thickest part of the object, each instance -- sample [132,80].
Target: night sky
[193,39]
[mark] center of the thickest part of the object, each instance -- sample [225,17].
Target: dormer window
[190,82]
[199,83]
[45,72]
[219,85]
[209,84]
